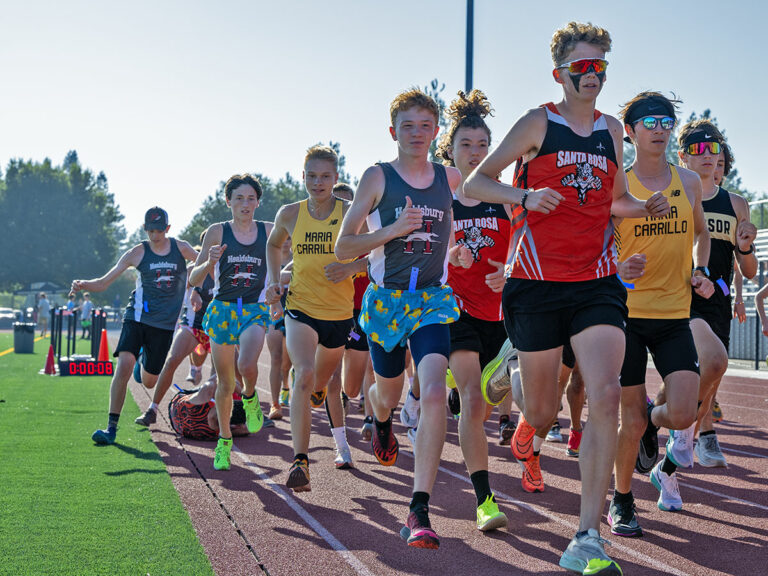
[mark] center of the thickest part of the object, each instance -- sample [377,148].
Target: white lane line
[753,454]
[321,531]
[723,496]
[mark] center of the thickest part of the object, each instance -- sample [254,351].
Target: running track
[250,524]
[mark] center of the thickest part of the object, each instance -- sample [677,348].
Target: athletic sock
[481,485]
[707,433]
[620,498]
[340,437]
[249,397]
[112,425]
[419,500]
[668,467]
[536,452]
[503,418]
[153,406]
[383,428]
[538,442]
[412,395]
[303,457]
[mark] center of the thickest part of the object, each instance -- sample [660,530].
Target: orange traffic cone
[103,349]
[50,365]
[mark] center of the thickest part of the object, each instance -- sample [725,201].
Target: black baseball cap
[156,219]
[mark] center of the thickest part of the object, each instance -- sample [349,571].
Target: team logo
[600,146]
[161,277]
[428,237]
[675,193]
[583,181]
[475,240]
[333,222]
[246,276]
[490,209]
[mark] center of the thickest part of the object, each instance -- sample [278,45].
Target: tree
[434,89]
[60,222]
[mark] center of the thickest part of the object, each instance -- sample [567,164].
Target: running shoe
[555,434]
[669,491]
[622,519]
[412,437]
[276,412]
[361,406]
[298,476]
[137,370]
[149,417]
[586,555]
[345,403]
[495,382]
[104,436]
[367,430]
[292,376]
[285,397]
[191,376]
[489,517]
[680,447]
[254,417]
[409,413]
[418,531]
[717,412]
[221,455]
[385,447]
[506,431]
[343,459]
[574,441]
[709,453]
[532,480]
[648,453]
[318,398]
[522,440]
[454,402]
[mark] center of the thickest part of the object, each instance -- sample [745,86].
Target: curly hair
[565,39]
[466,111]
[413,98]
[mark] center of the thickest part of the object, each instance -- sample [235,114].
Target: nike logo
[697,364]
[652,108]
[707,136]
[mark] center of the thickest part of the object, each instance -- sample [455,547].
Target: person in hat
[152,309]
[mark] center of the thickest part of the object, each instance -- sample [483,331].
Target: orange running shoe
[384,446]
[318,398]
[522,440]
[532,480]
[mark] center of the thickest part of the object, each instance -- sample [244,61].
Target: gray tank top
[159,293]
[420,259]
[242,270]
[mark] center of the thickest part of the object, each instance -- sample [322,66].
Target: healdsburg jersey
[664,291]
[157,298]
[241,272]
[310,291]
[575,241]
[485,230]
[188,315]
[722,223]
[420,259]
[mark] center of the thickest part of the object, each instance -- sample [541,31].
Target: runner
[478,334]
[318,310]
[234,253]
[659,307]
[407,205]
[563,286]
[732,238]
[152,310]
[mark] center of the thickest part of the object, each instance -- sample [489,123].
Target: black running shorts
[357,339]
[541,315]
[718,316]
[670,343]
[155,341]
[482,336]
[330,333]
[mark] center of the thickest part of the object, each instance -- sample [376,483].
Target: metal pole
[758,333]
[470,42]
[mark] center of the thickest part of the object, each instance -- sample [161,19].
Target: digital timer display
[86,368]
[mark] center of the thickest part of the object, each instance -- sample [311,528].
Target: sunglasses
[598,65]
[650,123]
[699,148]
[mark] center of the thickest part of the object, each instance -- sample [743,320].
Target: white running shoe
[409,413]
[708,452]
[669,491]
[586,555]
[343,459]
[680,447]
[412,437]
[555,433]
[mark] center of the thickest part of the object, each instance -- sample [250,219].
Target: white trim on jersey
[138,299]
[376,259]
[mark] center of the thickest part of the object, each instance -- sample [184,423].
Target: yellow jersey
[664,291]
[310,291]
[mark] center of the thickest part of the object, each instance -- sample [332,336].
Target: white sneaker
[708,452]
[409,413]
[669,491]
[412,436]
[585,554]
[343,459]
[191,376]
[555,433]
[680,447]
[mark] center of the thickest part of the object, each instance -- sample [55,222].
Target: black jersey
[242,271]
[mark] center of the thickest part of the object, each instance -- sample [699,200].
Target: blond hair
[320,152]
[564,39]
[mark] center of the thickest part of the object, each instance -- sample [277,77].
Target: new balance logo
[333,222]
[675,193]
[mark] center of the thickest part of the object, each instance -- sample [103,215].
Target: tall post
[470,43]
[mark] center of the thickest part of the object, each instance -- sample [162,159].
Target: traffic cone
[50,364]
[103,349]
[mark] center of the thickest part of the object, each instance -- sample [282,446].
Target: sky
[168,98]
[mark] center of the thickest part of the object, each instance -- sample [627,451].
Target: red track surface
[249,523]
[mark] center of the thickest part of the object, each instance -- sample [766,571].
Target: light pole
[470,40]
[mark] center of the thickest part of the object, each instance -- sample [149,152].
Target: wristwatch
[703,269]
[750,251]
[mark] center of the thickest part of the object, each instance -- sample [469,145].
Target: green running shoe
[586,555]
[489,517]
[254,417]
[221,457]
[285,397]
[494,382]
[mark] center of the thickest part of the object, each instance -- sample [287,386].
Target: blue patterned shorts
[225,321]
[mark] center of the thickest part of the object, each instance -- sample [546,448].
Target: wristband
[525,197]
[750,251]
[198,289]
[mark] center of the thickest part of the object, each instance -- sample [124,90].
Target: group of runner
[562,281]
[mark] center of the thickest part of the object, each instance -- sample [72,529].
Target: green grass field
[68,506]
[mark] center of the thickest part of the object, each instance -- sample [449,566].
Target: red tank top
[485,230]
[575,241]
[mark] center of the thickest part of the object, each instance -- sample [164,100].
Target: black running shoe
[649,445]
[454,402]
[622,519]
[506,431]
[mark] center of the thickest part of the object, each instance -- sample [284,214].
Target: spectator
[85,310]
[43,312]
